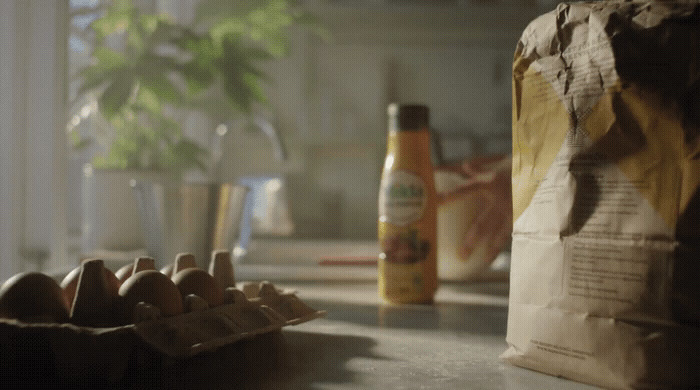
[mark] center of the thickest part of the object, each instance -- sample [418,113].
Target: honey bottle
[407,226]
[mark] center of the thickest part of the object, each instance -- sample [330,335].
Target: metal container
[184,217]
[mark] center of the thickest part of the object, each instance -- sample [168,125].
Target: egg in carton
[93,319]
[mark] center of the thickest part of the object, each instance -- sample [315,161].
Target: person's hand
[491,178]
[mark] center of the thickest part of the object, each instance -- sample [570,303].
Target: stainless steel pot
[186,217]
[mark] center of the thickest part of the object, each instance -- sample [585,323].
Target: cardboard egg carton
[197,330]
[78,353]
[80,349]
[244,316]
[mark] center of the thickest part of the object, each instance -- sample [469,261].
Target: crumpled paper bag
[606,169]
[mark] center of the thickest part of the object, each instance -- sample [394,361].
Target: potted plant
[146,69]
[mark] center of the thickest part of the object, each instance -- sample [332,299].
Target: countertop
[454,343]
[361,343]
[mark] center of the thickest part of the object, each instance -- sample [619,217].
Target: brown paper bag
[605,277]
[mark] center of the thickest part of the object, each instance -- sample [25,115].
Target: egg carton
[256,309]
[80,352]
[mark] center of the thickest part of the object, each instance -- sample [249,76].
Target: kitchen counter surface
[362,343]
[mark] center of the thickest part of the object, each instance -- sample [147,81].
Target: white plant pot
[110,212]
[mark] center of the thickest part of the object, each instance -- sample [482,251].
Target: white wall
[330,98]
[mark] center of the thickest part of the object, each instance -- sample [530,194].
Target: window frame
[33,149]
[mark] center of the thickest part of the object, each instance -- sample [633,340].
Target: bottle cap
[408,116]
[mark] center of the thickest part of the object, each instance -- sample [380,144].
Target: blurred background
[312,155]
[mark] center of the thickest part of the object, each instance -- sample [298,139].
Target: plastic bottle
[408,209]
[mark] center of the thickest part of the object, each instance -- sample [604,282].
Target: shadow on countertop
[278,360]
[446,316]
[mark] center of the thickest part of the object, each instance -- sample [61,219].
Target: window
[32,152]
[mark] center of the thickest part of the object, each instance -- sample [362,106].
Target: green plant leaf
[120,6]
[116,94]
[258,54]
[241,79]
[189,155]
[199,72]
[168,130]
[107,63]
[237,92]
[135,40]
[148,99]
[149,23]
[93,77]
[257,93]
[197,78]
[108,59]
[163,89]
[226,29]
[116,19]
[213,66]
[154,65]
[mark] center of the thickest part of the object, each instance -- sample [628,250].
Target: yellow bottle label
[407,236]
[402,198]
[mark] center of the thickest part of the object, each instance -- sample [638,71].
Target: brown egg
[198,282]
[70,283]
[141,263]
[33,297]
[124,272]
[167,270]
[151,287]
